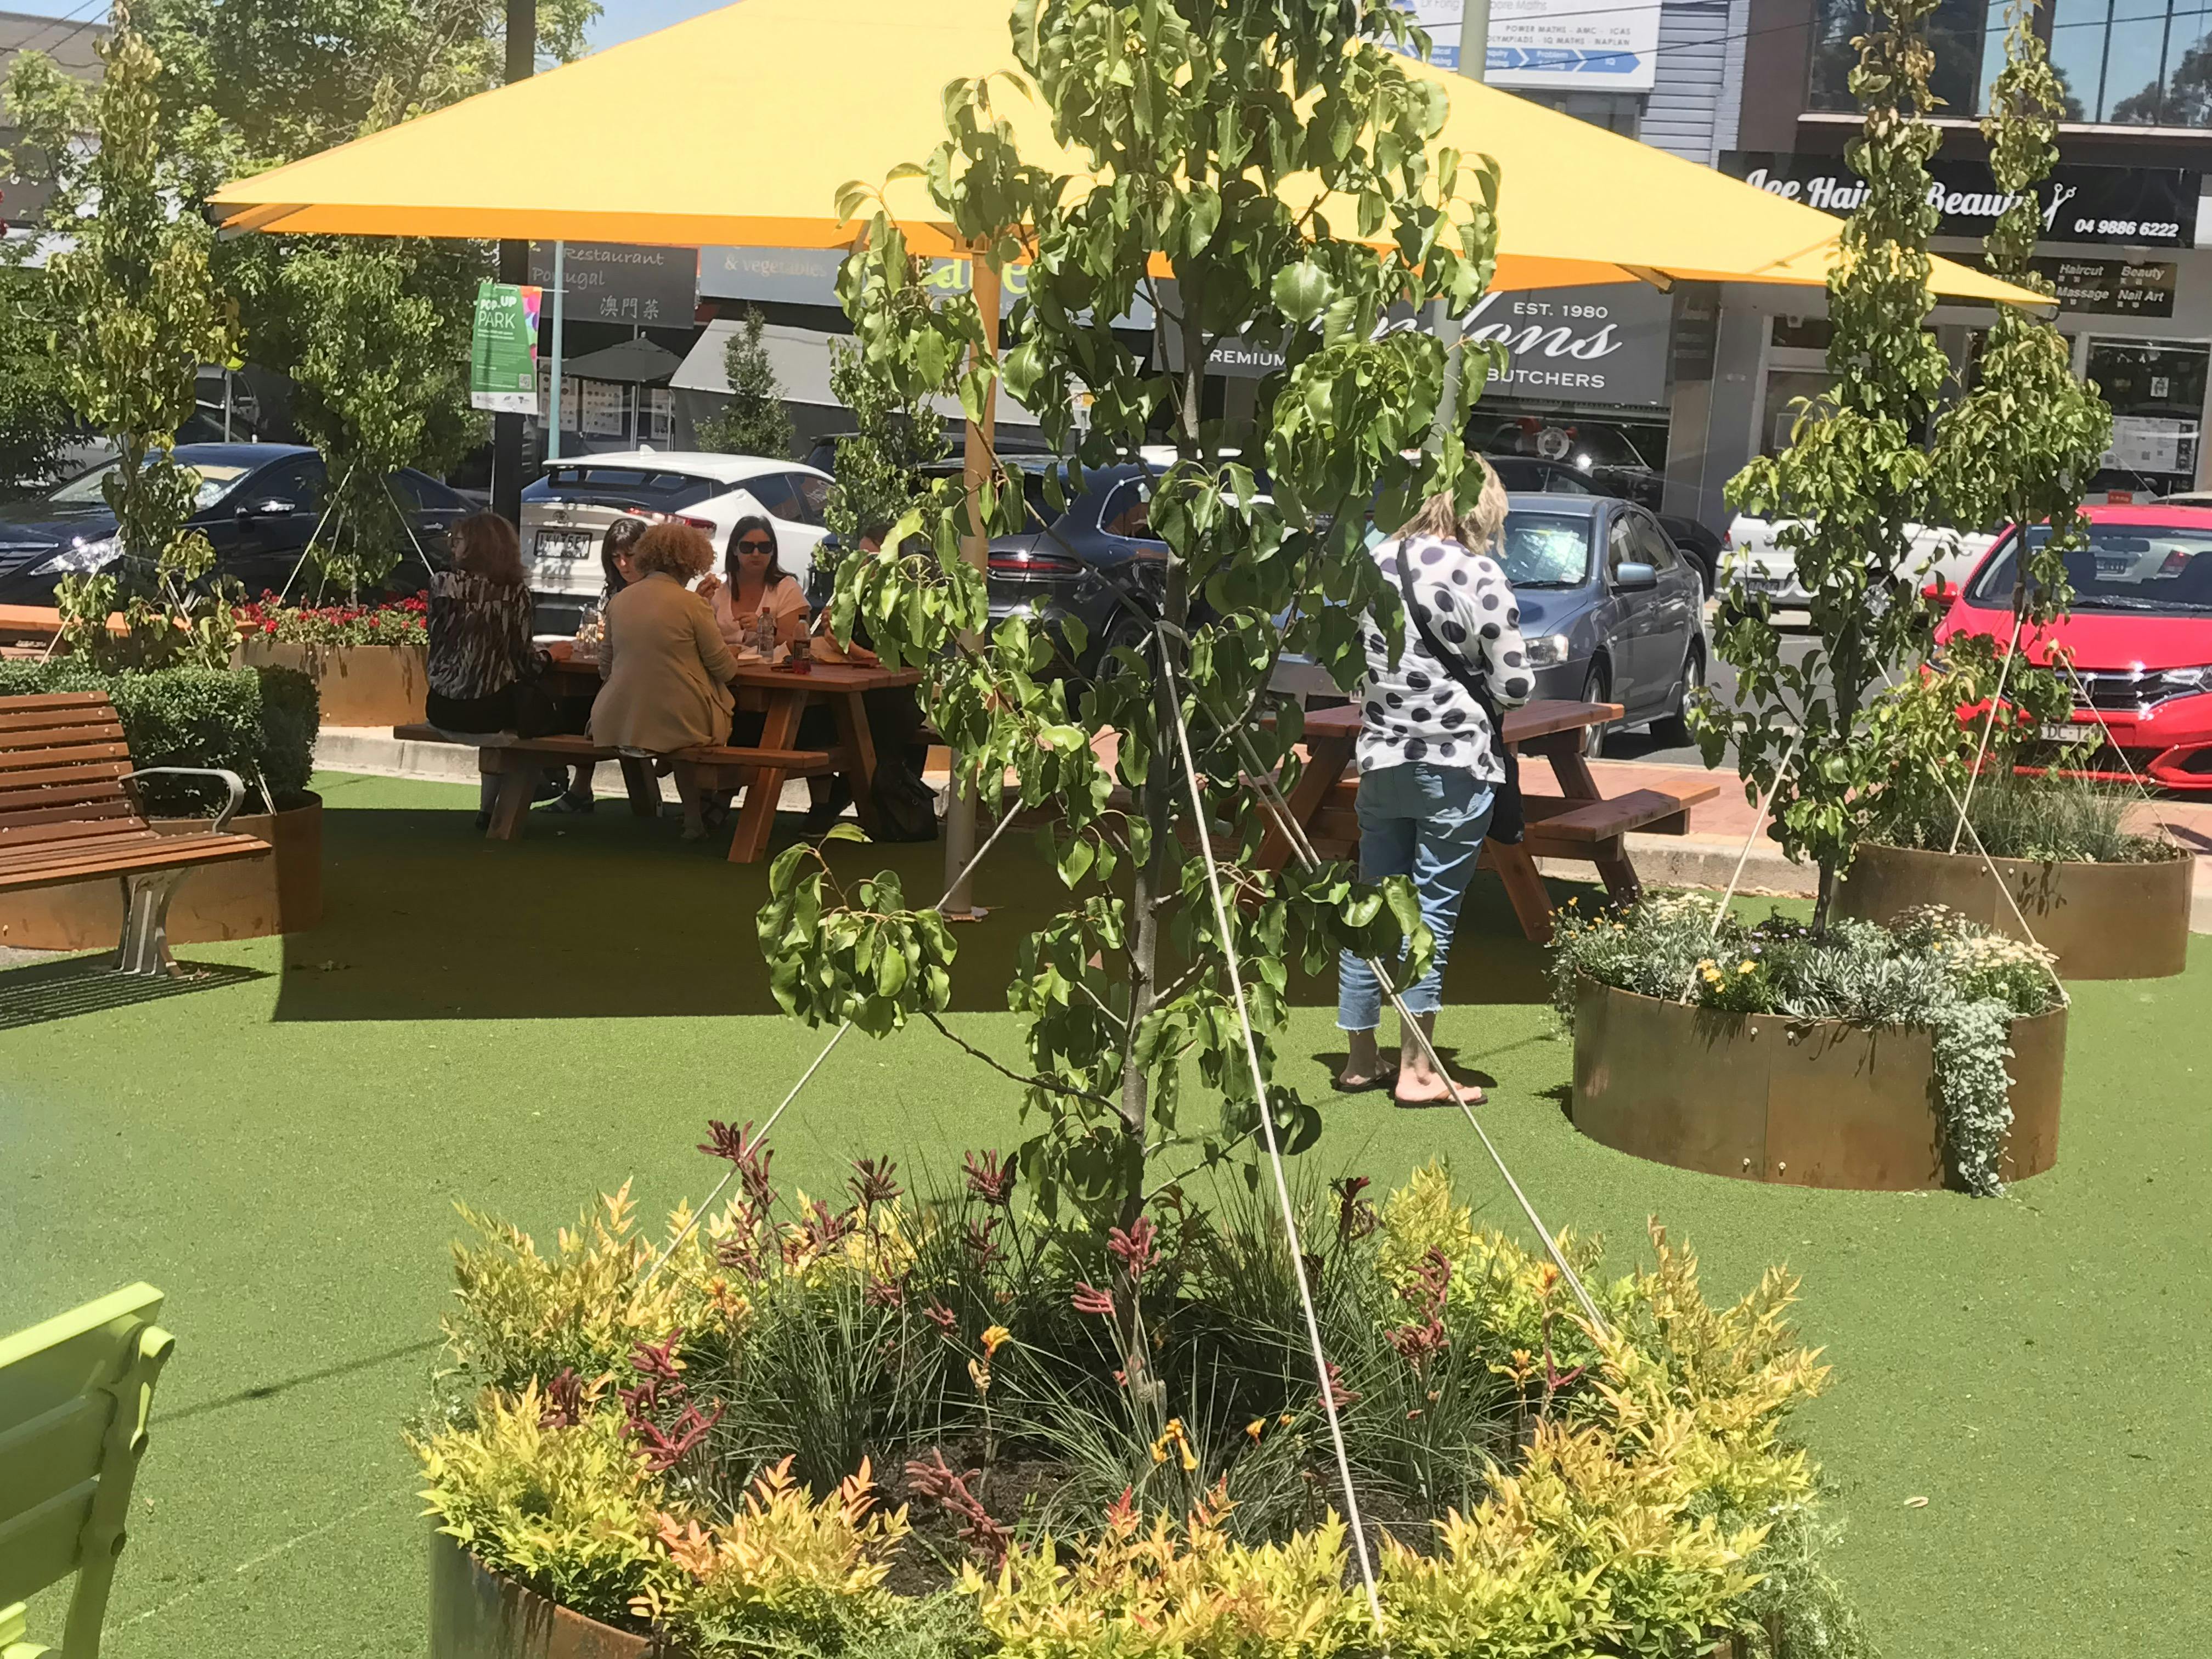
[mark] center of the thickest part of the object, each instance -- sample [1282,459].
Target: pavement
[1722,831]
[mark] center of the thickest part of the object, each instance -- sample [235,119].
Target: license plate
[563,545]
[2068,732]
[2112,569]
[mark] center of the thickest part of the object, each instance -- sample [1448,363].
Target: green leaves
[873,962]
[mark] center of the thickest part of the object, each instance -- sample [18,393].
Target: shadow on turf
[48,991]
[271,1390]
[610,916]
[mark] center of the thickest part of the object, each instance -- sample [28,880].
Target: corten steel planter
[253,898]
[359,684]
[1796,1103]
[2101,920]
[476,1614]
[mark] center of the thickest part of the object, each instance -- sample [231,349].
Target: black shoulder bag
[1508,820]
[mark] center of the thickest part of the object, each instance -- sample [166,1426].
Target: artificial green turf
[520,1026]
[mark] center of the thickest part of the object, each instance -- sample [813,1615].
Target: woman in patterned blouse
[1429,763]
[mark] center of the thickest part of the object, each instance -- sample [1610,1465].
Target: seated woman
[614,549]
[480,654]
[666,668]
[753,580]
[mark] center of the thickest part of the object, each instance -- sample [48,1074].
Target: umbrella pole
[960,813]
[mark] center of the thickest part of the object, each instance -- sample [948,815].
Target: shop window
[1967,36]
[2156,389]
[2134,63]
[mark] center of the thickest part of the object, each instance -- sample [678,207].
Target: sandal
[570,804]
[1385,1078]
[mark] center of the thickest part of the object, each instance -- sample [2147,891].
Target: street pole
[560,297]
[1474,59]
[513,268]
[960,813]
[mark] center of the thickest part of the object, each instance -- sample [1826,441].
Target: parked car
[2139,636]
[567,511]
[258,504]
[1937,552]
[1533,475]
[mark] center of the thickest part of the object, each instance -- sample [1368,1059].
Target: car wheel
[1674,731]
[1598,688]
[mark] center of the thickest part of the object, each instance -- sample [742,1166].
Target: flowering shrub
[398,622]
[1960,981]
[628,1439]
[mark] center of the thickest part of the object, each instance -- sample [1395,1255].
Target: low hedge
[260,723]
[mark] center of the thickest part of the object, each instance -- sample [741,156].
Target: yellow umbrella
[740,125]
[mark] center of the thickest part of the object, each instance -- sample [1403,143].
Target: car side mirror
[270,506]
[1938,592]
[1634,579]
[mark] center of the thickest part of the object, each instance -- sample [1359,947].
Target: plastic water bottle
[764,635]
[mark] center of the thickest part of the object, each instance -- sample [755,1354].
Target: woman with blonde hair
[666,670]
[1429,760]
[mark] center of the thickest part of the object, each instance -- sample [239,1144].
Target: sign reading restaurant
[2117,207]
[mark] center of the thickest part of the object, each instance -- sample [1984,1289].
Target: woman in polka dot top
[1429,761]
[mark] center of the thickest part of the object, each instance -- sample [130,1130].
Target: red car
[2140,637]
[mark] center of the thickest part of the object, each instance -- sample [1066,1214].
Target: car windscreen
[655,488]
[1546,549]
[89,490]
[2125,567]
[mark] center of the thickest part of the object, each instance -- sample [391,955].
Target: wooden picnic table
[781,698]
[1580,823]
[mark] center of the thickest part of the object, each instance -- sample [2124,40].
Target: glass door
[2156,389]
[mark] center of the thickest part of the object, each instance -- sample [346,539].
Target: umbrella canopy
[638,361]
[739,126]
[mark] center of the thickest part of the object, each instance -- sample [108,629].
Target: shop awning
[740,125]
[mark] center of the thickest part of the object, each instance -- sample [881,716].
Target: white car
[1770,570]
[565,514]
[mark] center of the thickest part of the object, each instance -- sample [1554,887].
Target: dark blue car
[258,505]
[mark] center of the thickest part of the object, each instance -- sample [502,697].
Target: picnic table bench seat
[519,761]
[69,813]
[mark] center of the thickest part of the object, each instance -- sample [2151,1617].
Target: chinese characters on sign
[616,283]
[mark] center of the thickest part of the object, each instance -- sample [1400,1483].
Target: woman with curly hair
[666,670]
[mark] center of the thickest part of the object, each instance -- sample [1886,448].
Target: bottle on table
[764,635]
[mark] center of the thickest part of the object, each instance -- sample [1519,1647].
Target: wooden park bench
[520,762]
[69,813]
[74,1393]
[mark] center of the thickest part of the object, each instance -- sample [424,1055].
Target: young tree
[755,421]
[878,472]
[36,420]
[134,314]
[1855,475]
[383,384]
[1215,132]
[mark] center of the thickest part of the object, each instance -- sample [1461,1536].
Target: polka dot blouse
[1415,711]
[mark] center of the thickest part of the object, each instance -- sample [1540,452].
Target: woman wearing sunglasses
[755,582]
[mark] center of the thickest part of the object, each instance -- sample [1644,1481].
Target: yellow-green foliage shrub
[569,1511]
[1185,1592]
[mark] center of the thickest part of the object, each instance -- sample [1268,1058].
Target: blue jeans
[1426,822]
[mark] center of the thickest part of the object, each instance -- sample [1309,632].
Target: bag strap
[1448,659]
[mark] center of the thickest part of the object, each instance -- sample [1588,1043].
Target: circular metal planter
[476,1614]
[2101,920]
[253,898]
[1795,1102]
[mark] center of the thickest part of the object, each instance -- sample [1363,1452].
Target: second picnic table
[1579,822]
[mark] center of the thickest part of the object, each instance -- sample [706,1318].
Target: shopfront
[2134,295]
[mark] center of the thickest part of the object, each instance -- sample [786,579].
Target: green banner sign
[503,350]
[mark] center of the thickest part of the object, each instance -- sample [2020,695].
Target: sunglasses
[755,547]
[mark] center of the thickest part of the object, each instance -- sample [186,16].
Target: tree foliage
[134,313]
[1214,132]
[1843,746]
[754,422]
[879,470]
